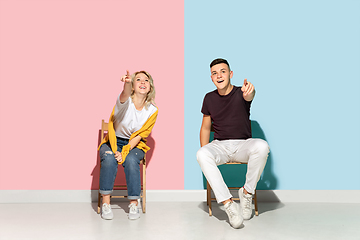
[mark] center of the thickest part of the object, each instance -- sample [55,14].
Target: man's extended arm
[205,130]
[248,90]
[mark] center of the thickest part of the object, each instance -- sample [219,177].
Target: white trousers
[252,151]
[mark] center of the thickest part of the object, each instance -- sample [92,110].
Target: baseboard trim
[63,196]
[308,196]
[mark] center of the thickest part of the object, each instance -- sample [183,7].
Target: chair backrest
[104,128]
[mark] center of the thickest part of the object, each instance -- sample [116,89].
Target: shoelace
[231,210]
[133,207]
[106,208]
[248,203]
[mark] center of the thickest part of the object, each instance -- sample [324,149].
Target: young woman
[130,123]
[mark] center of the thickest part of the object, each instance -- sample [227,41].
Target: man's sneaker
[106,212]
[134,212]
[232,210]
[245,204]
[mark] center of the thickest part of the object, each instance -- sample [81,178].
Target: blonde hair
[150,97]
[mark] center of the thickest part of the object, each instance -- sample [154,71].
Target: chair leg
[99,202]
[144,188]
[208,198]
[99,194]
[256,205]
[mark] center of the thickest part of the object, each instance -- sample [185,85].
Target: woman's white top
[128,119]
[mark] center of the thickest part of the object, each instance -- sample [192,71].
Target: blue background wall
[303,58]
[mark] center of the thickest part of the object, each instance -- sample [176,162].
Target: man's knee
[261,146]
[200,155]
[203,155]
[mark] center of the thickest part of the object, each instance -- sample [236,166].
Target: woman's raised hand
[126,92]
[126,78]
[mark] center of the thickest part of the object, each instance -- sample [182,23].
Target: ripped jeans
[109,167]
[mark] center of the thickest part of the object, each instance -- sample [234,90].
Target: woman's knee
[134,157]
[108,159]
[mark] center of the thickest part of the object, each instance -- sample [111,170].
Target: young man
[228,109]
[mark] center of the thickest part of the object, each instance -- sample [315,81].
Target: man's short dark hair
[218,61]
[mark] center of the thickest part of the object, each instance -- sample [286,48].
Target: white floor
[178,220]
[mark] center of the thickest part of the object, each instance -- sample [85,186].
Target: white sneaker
[232,210]
[106,212]
[245,204]
[134,212]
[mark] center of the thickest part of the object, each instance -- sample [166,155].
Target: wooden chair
[208,189]
[104,129]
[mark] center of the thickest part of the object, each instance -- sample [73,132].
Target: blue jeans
[109,167]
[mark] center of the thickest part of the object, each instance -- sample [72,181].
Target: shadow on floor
[270,206]
[218,210]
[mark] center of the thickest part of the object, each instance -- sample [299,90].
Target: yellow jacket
[143,132]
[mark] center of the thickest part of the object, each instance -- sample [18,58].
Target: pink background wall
[60,66]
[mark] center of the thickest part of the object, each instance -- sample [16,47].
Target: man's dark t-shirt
[229,114]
